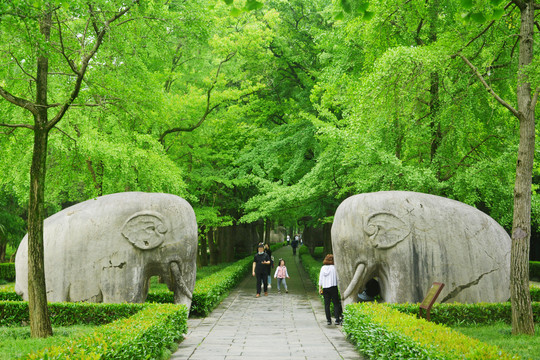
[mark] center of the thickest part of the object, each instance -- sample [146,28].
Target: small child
[281,273]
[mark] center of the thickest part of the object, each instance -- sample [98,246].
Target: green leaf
[235,12]
[228,2]
[478,17]
[467,4]
[368,15]
[346,6]
[496,2]
[497,14]
[339,16]
[362,7]
[253,5]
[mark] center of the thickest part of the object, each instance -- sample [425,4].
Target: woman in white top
[328,288]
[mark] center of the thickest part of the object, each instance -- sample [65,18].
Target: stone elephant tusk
[353,285]
[177,275]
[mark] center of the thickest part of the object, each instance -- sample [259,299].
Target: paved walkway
[277,326]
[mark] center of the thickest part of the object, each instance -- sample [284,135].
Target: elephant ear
[386,230]
[145,230]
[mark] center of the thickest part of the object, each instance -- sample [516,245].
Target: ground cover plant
[500,334]
[140,331]
[16,341]
[379,331]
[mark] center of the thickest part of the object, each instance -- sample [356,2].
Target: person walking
[261,261]
[329,290]
[294,244]
[271,266]
[280,274]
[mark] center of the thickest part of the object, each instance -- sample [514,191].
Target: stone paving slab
[277,326]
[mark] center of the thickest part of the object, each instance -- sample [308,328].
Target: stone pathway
[277,326]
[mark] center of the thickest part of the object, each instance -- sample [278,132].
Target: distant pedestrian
[271,266]
[328,288]
[260,268]
[280,274]
[294,244]
[288,240]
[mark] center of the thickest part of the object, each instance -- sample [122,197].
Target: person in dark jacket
[271,266]
[294,244]
[261,262]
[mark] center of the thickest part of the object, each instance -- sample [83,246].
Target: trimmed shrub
[212,289]
[150,333]
[312,266]
[8,294]
[209,291]
[7,271]
[467,314]
[66,314]
[535,293]
[534,270]
[381,332]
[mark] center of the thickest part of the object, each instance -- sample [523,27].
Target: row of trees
[273,110]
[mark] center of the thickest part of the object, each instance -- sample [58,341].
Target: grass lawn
[16,341]
[500,334]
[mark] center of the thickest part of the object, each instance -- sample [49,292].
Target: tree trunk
[203,248]
[40,324]
[327,238]
[522,318]
[214,250]
[268,227]
[3,253]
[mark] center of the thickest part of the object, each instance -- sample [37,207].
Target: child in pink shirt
[280,274]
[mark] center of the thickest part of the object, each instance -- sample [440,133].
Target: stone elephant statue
[107,249]
[409,240]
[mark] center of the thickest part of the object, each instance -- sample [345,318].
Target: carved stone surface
[106,249]
[409,240]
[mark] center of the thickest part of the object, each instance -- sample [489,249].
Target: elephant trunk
[182,295]
[349,295]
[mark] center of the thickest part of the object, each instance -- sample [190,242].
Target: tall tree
[526,99]
[52,50]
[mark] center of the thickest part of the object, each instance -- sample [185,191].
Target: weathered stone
[409,240]
[106,249]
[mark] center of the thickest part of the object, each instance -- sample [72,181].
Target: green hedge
[312,266]
[209,291]
[9,294]
[212,289]
[467,314]
[381,332]
[152,333]
[67,314]
[535,293]
[534,270]
[7,271]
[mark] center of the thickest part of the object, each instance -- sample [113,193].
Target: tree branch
[23,103]
[488,88]
[20,67]
[62,49]
[84,64]
[208,109]
[28,126]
